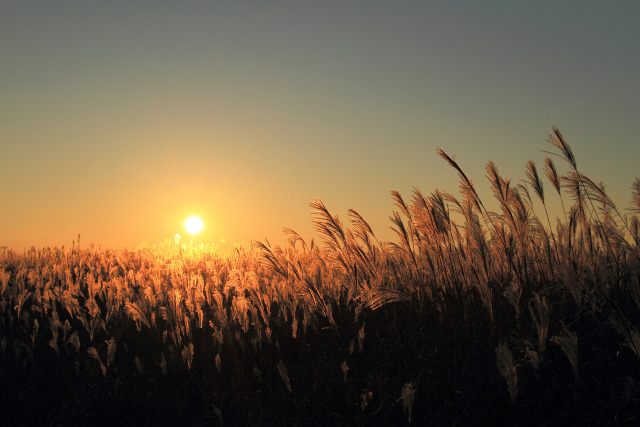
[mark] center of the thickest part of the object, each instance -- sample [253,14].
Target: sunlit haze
[118,120]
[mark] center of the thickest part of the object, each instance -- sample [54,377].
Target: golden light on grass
[435,266]
[194,224]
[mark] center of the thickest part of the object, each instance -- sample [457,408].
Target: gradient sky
[118,119]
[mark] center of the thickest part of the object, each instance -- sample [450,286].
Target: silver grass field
[470,317]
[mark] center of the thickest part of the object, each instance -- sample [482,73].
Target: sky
[120,119]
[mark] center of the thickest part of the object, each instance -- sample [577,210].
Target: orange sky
[118,121]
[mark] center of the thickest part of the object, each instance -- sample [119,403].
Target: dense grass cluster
[472,316]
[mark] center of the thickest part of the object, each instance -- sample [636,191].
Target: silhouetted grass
[471,317]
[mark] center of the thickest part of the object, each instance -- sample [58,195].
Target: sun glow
[194,224]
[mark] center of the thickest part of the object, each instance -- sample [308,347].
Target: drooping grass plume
[559,142]
[533,179]
[552,175]
[466,186]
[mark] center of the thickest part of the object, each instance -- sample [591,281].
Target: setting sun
[194,224]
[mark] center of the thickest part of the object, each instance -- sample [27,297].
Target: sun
[194,224]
